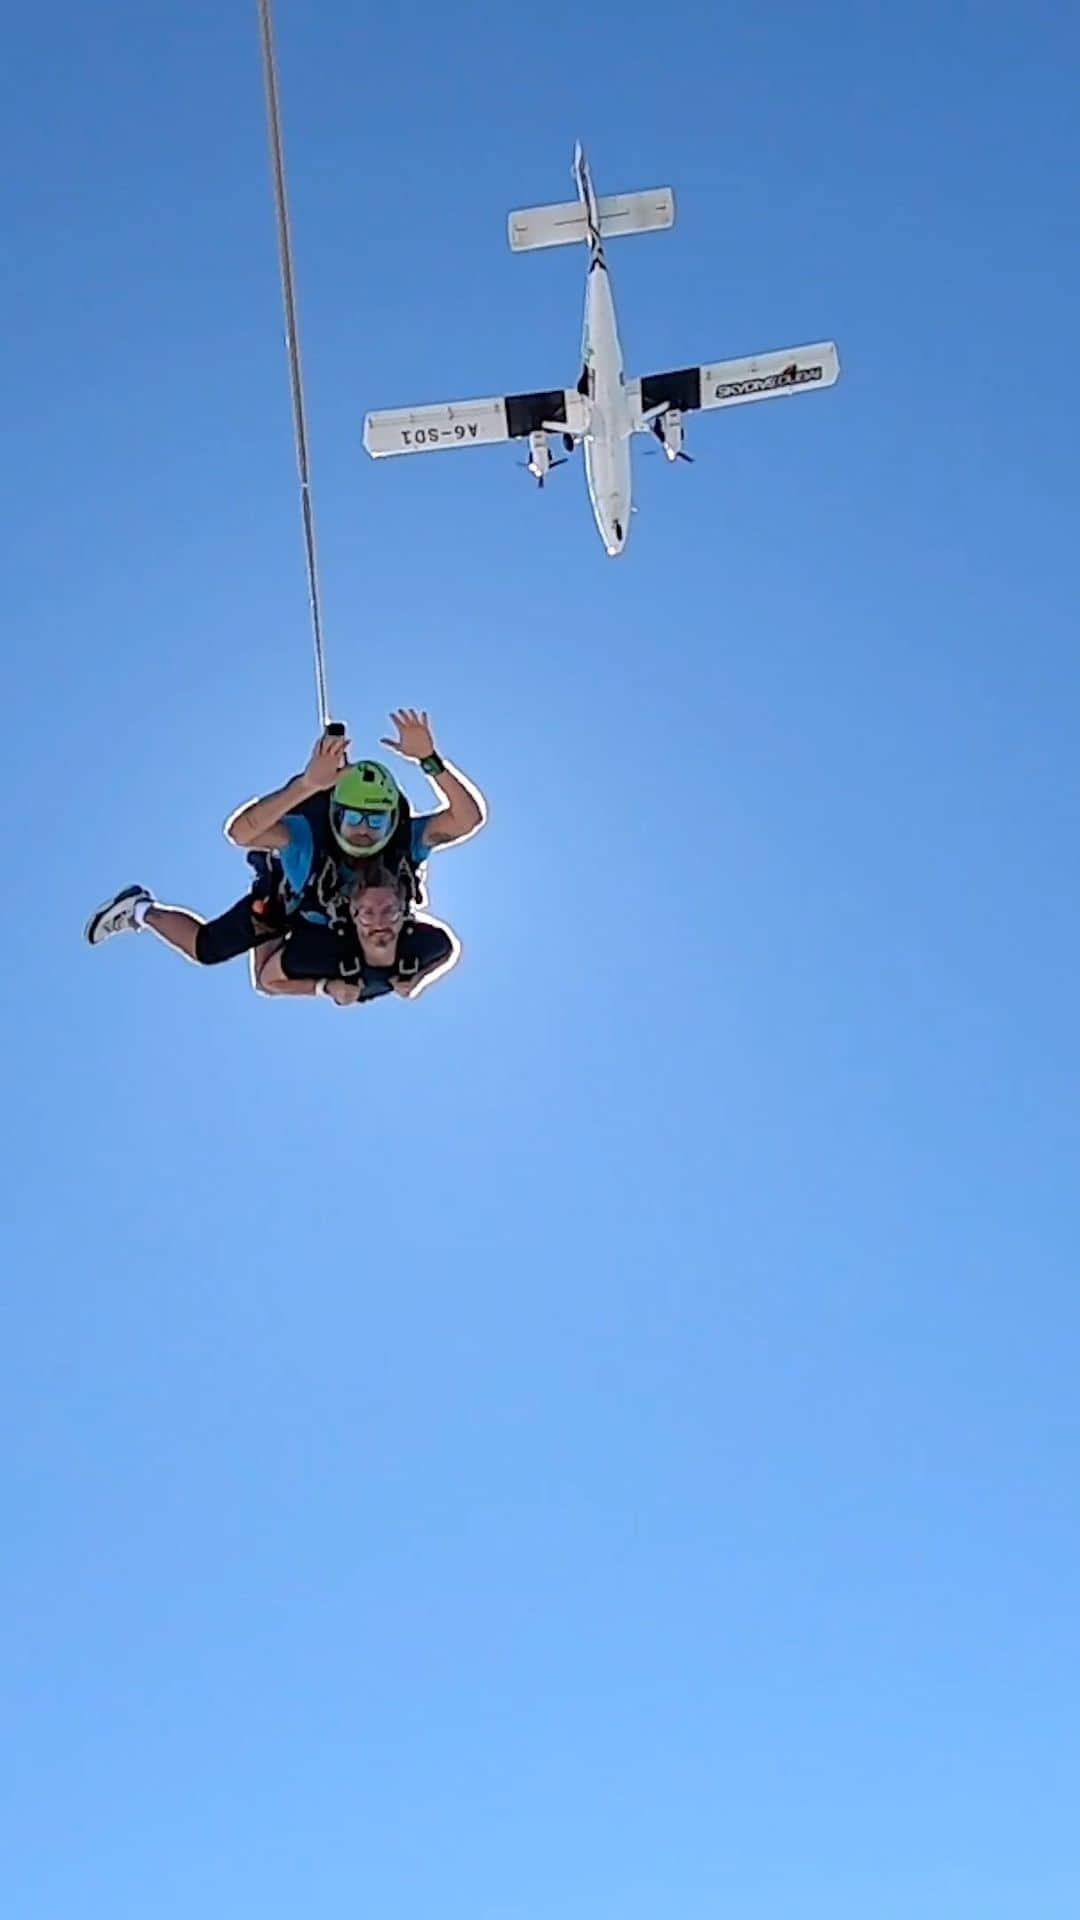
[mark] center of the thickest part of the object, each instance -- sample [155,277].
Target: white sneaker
[117,915]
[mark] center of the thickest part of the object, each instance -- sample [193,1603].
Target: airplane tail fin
[560,226]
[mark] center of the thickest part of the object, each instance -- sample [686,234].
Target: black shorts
[238,930]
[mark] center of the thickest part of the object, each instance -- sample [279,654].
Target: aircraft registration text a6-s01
[604,410]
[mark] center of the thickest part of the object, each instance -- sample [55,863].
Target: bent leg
[176,926]
[238,930]
[208,942]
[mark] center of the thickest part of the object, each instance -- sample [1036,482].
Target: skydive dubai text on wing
[791,377]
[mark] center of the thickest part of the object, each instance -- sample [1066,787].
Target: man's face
[378,916]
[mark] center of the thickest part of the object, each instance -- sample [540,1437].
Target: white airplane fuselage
[603,380]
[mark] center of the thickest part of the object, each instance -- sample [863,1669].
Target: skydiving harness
[330,884]
[327,890]
[273,917]
[353,967]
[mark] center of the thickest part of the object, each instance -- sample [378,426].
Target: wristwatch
[431,763]
[320,987]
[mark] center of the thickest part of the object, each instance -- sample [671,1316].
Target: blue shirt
[297,856]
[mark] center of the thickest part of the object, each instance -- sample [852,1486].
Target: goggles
[375,819]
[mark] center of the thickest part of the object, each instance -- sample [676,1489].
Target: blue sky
[600,1441]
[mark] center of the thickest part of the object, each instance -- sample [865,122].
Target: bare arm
[271,979]
[465,811]
[259,824]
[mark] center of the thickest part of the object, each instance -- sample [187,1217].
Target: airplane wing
[730,383]
[472,423]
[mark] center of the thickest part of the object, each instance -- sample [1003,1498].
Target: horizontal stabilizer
[472,423]
[619,213]
[730,383]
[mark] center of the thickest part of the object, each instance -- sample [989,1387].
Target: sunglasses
[375,818]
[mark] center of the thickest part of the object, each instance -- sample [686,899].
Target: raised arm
[260,823]
[465,811]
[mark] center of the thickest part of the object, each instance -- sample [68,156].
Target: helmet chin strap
[362,853]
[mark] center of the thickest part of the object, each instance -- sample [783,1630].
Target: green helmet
[367,787]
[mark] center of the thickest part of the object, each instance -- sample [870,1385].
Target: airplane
[605,409]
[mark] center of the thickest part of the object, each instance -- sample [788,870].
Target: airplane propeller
[656,428]
[540,477]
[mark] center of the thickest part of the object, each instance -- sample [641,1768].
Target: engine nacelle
[669,431]
[539,461]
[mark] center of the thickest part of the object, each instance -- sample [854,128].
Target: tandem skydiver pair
[338,902]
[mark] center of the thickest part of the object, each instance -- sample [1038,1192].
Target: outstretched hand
[329,758]
[415,739]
